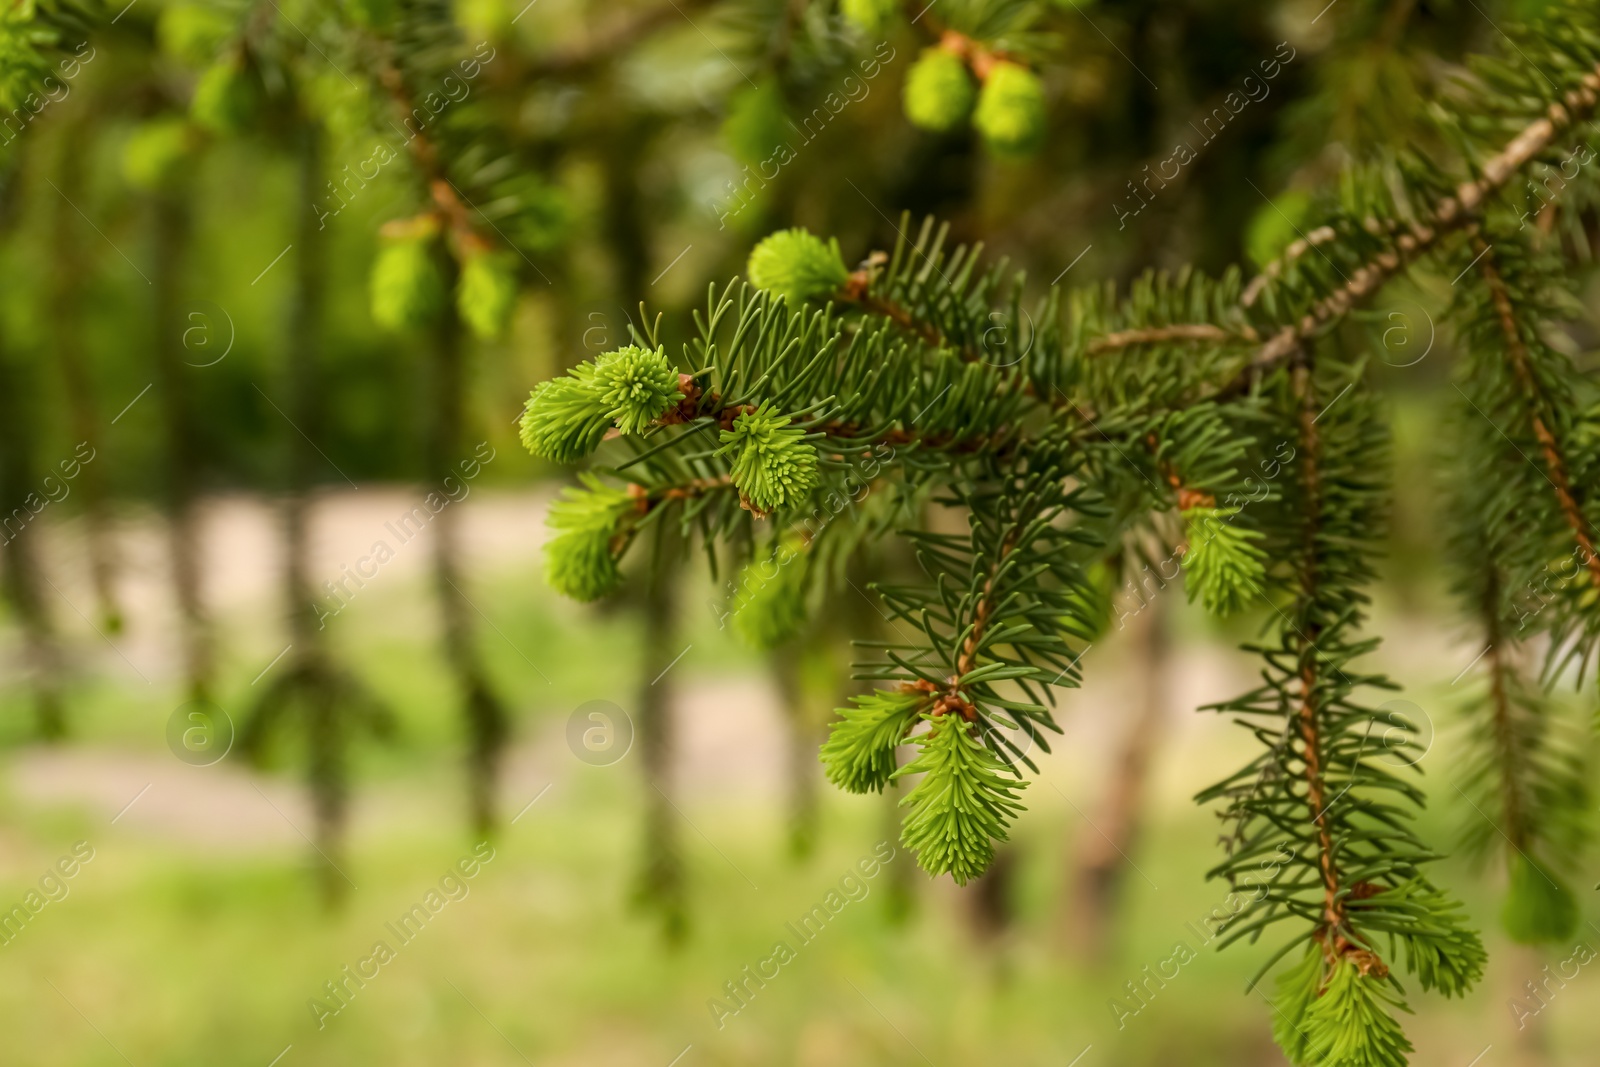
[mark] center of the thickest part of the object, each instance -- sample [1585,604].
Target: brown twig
[1452,213]
[1199,332]
[447,203]
[1554,457]
[1307,718]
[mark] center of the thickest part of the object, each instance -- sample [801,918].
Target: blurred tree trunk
[990,899]
[1102,867]
[20,499]
[626,229]
[19,535]
[173,225]
[311,662]
[661,884]
[485,713]
[803,740]
[67,314]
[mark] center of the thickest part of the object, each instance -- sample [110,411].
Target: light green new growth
[193,32]
[487,293]
[963,804]
[636,386]
[1349,1024]
[771,606]
[407,290]
[1010,112]
[566,418]
[152,155]
[1225,565]
[773,466]
[796,265]
[563,419]
[579,560]
[938,92]
[1431,925]
[869,16]
[859,753]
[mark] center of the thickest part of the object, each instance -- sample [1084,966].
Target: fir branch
[1307,715]
[1451,213]
[1556,465]
[1196,332]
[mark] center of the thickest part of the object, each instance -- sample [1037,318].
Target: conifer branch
[1196,332]
[426,155]
[1556,466]
[1452,213]
[1307,715]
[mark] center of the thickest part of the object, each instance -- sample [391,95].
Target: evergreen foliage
[1010,112]
[407,288]
[963,803]
[487,293]
[635,386]
[860,751]
[771,608]
[939,91]
[1233,424]
[797,266]
[1225,565]
[1242,411]
[770,462]
[579,559]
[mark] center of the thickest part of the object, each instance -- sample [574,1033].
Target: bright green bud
[407,290]
[1538,907]
[1225,567]
[756,124]
[1010,111]
[963,804]
[1297,987]
[580,560]
[565,419]
[860,751]
[773,466]
[772,606]
[1350,1024]
[797,266]
[153,154]
[486,293]
[224,98]
[636,386]
[193,32]
[938,91]
[870,16]
[486,20]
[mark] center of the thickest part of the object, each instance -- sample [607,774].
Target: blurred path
[732,733]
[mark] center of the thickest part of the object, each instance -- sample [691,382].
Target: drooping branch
[1555,460]
[1308,714]
[1508,749]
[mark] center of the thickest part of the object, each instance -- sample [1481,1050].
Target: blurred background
[302,762]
